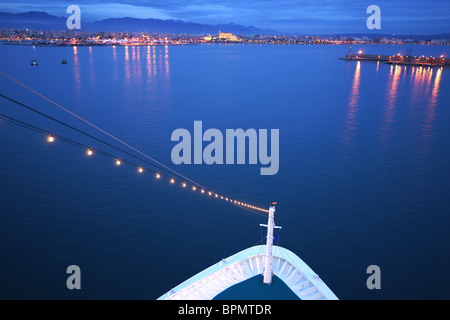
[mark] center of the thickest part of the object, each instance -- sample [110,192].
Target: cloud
[118,10]
[401,16]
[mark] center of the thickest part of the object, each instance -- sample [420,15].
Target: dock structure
[398,59]
[366,57]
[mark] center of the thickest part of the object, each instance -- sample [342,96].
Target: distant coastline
[70,38]
[38,28]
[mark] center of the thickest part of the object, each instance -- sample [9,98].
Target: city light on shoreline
[90,38]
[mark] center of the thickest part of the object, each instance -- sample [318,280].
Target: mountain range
[38,20]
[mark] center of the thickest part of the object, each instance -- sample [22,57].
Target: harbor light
[89,152]
[360,51]
[50,138]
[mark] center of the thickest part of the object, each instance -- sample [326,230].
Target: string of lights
[184,180]
[90,151]
[94,126]
[51,137]
[91,136]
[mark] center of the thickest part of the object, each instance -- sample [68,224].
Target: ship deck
[255,289]
[295,274]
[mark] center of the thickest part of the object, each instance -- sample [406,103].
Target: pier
[398,59]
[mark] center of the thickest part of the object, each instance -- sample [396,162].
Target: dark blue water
[254,289]
[363,178]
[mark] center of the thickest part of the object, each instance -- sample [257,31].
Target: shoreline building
[227,36]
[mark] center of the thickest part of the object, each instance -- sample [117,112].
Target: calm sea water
[363,179]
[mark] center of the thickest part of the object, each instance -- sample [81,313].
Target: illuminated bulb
[183,185]
[172,180]
[360,51]
[194,188]
[209,193]
[216,195]
[203,191]
[140,170]
[158,176]
[50,138]
[90,152]
[118,162]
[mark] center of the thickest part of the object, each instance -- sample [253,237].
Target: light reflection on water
[361,180]
[423,85]
[351,122]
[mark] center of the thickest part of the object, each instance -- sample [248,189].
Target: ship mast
[268,270]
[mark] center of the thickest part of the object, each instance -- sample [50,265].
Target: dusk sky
[291,16]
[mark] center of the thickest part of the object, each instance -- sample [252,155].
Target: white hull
[287,266]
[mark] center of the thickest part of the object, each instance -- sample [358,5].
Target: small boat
[260,272]
[64,61]
[33,62]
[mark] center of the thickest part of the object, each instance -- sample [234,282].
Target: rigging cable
[90,136]
[162,166]
[94,126]
[90,151]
